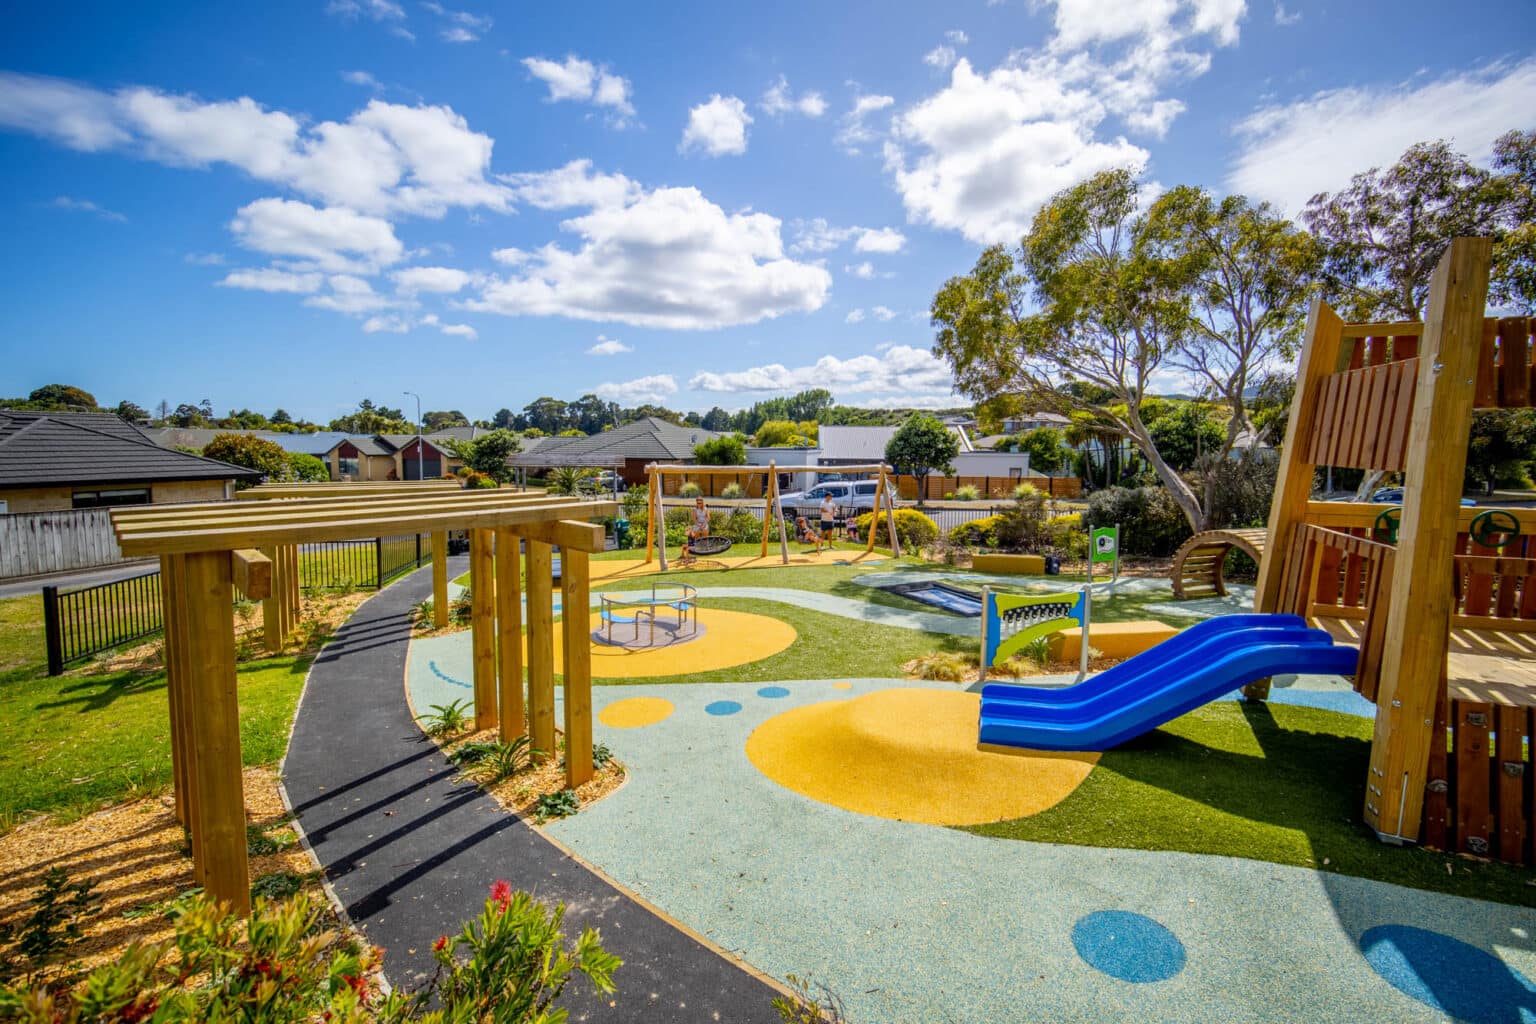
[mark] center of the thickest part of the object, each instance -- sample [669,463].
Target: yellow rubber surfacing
[727,639]
[910,755]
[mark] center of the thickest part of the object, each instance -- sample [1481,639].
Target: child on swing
[808,534]
[698,526]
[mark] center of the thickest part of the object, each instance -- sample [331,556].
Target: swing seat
[710,545]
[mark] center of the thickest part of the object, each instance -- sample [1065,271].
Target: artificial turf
[1271,782]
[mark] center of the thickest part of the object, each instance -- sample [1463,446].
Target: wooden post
[482,624]
[541,646]
[175,635]
[650,514]
[440,579]
[659,518]
[271,606]
[208,594]
[1419,619]
[509,633]
[890,517]
[574,602]
[295,589]
[778,514]
[874,515]
[768,507]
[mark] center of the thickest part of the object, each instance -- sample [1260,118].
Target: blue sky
[695,203]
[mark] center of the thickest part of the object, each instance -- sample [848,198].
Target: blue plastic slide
[1204,662]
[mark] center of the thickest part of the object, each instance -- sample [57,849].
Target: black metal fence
[84,621]
[88,620]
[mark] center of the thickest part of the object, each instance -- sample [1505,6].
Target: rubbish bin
[1052,565]
[621,532]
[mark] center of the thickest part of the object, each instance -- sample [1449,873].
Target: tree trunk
[1182,493]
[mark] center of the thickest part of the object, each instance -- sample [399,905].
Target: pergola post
[207,602]
[271,605]
[574,602]
[509,634]
[295,602]
[482,625]
[173,646]
[541,645]
[440,579]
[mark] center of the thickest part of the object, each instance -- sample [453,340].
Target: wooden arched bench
[1197,565]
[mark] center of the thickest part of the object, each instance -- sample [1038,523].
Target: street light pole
[421,460]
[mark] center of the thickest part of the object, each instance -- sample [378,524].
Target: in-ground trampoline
[938,594]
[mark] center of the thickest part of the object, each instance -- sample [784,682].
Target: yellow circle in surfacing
[727,639]
[634,712]
[910,755]
[842,686]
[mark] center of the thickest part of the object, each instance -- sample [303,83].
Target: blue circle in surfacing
[722,707]
[1454,977]
[1131,947]
[773,691]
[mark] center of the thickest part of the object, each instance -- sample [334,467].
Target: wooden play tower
[208,552]
[1441,599]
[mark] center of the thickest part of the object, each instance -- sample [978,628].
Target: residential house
[627,450]
[55,461]
[1032,421]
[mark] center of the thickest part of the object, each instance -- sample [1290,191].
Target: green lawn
[1272,782]
[74,741]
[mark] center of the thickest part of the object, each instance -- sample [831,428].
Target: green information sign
[1104,544]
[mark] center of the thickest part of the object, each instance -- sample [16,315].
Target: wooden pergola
[772,508]
[209,551]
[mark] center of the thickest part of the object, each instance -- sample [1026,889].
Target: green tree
[279,417]
[489,453]
[372,419]
[717,419]
[1502,448]
[1187,435]
[62,396]
[1514,253]
[1383,235]
[1044,446]
[726,450]
[443,419]
[307,468]
[251,452]
[920,445]
[131,412]
[785,434]
[505,419]
[546,414]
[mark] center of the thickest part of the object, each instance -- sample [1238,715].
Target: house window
[346,467]
[112,498]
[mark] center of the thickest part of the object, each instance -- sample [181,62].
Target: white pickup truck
[857,496]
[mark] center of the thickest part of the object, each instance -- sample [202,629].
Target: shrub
[251,452]
[1151,522]
[59,908]
[307,468]
[740,525]
[1241,491]
[978,533]
[732,491]
[913,529]
[556,805]
[635,502]
[1024,489]
[689,490]
[943,666]
[570,479]
[726,450]
[1021,527]
[1066,535]
[447,719]
[967,492]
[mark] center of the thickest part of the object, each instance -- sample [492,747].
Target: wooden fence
[32,543]
[1479,796]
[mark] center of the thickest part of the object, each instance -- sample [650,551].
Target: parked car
[1394,496]
[857,496]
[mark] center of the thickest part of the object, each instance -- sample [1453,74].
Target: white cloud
[865,270]
[941,57]
[204,259]
[957,36]
[461,331]
[665,258]
[436,280]
[350,294]
[1292,151]
[396,323]
[268,279]
[981,155]
[608,347]
[990,149]
[816,235]
[462,26]
[86,206]
[884,313]
[718,127]
[574,184]
[389,14]
[384,158]
[934,401]
[880,240]
[778,99]
[901,369]
[362,78]
[856,131]
[855,316]
[583,82]
[330,239]
[385,322]
[653,389]
[1286,18]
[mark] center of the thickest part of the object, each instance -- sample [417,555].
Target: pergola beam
[253,573]
[153,518]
